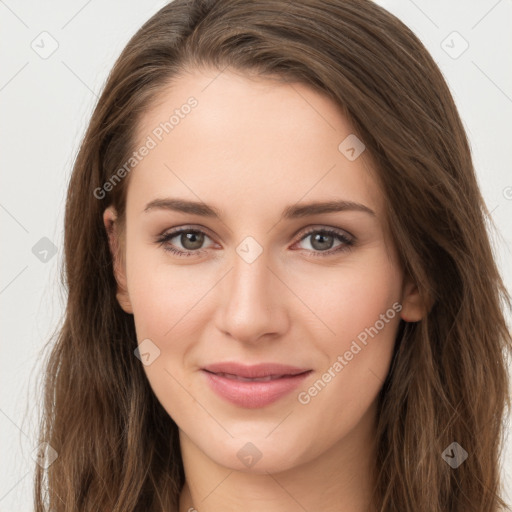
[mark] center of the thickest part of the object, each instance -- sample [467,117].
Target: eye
[322,239]
[191,241]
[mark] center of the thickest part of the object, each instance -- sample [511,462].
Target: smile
[253,392]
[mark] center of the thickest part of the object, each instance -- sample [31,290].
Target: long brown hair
[117,447]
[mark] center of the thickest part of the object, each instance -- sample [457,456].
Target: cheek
[351,298]
[168,311]
[365,317]
[163,295]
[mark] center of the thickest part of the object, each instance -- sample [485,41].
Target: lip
[226,379]
[254,371]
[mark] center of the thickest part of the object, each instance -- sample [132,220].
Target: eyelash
[347,243]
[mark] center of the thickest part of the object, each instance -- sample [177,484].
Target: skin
[252,147]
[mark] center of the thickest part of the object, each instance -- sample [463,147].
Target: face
[252,275]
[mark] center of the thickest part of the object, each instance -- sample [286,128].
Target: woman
[282,295]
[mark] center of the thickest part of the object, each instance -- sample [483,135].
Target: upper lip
[254,371]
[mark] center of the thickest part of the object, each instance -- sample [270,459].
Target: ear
[116,249]
[413,307]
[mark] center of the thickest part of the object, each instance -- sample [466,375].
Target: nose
[252,301]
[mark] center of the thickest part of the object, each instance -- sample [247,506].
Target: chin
[259,456]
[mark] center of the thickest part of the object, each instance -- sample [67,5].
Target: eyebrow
[290,212]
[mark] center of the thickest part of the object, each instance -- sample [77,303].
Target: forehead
[222,136]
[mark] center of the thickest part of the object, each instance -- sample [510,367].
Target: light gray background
[47,102]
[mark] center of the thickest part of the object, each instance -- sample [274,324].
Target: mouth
[256,386]
[233,369]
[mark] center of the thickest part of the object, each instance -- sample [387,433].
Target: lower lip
[255,394]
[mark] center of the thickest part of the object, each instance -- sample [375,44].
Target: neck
[340,478]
